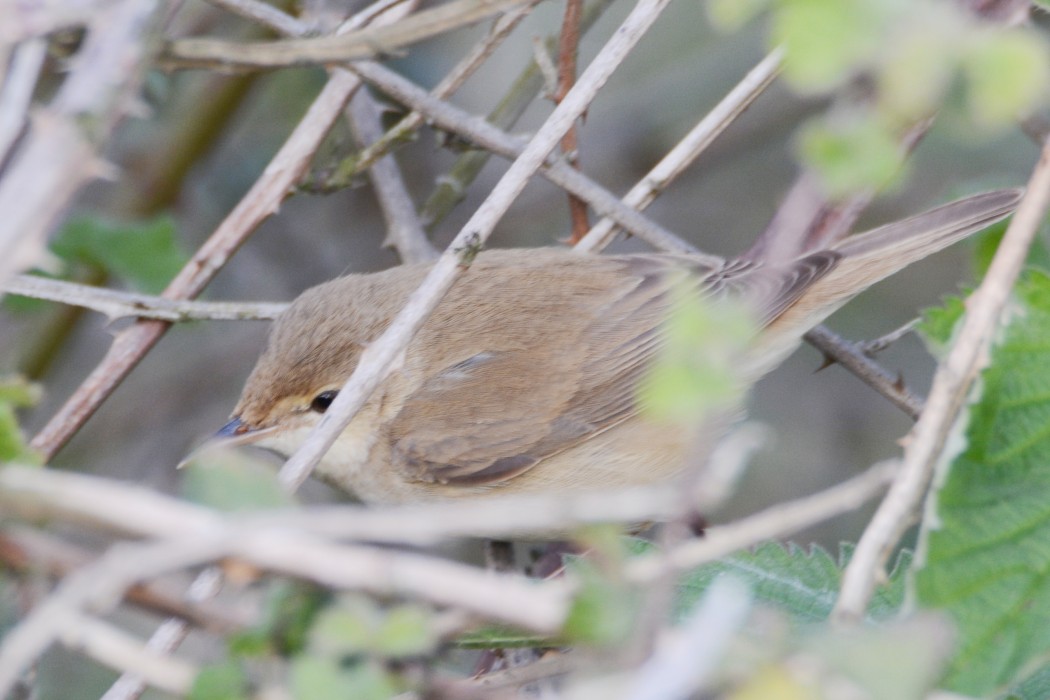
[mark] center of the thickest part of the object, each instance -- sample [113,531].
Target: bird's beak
[234,433]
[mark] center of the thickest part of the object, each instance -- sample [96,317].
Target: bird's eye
[322,401]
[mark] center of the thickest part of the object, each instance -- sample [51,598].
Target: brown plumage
[525,377]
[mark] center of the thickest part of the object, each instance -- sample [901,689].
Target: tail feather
[872,256]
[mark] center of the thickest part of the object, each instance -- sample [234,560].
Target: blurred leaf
[603,611]
[315,678]
[289,613]
[731,15]
[406,631]
[852,156]
[900,660]
[774,682]
[826,41]
[988,530]
[229,480]
[220,682]
[916,74]
[345,627]
[1006,74]
[16,392]
[694,373]
[938,324]
[145,254]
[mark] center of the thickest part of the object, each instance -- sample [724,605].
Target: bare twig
[487,136]
[371,42]
[854,357]
[378,357]
[113,647]
[116,304]
[57,156]
[568,44]
[876,345]
[265,14]
[951,385]
[540,607]
[17,91]
[29,20]
[166,638]
[23,549]
[690,147]
[404,231]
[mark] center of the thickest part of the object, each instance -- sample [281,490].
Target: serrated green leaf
[987,243]
[230,480]
[851,156]
[1006,76]
[988,538]
[804,584]
[145,254]
[220,682]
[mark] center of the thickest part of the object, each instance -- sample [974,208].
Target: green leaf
[804,584]
[229,480]
[406,631]
[851,156]
[603,611]
[1006,76]
[938,324]
[316,678]
[987,532]
[16,392]
[731,15]
[826,41]
[145,254]
[220,682]
[694,373]
[914,77]
[290,609]
[500,637]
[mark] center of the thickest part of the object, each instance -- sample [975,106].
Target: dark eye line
[323,400]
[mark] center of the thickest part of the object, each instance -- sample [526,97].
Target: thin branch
[951,386]
[265,14]
[113,647]
[30,20]
[116,304]
[690,147]
[405,233]
[378,358]
[876,345]
[485,135]
[568,45]
[370,42]
[854,357]
[452,81]
[58,156]
[540,607]
[23,550]
[16,91]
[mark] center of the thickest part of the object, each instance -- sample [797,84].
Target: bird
[526,377]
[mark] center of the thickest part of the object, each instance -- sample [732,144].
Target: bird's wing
[532,393]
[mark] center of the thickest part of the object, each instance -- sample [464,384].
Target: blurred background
[205,138]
